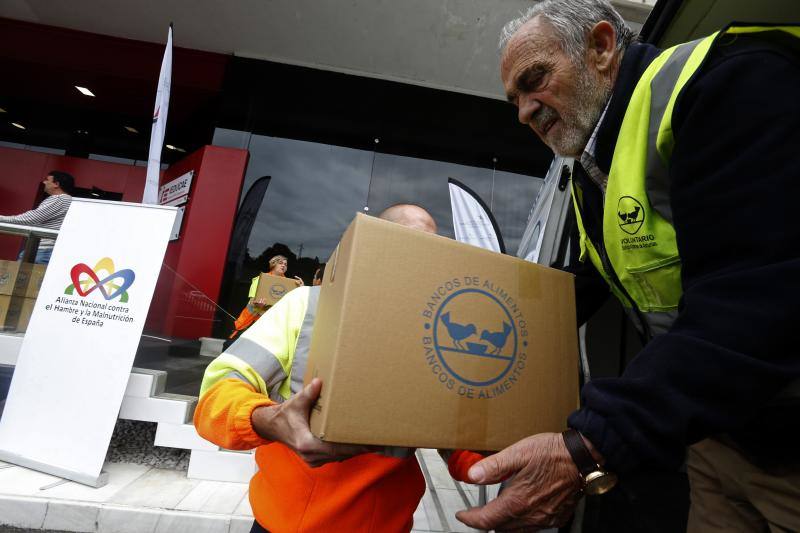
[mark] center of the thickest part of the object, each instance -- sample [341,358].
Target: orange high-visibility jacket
[368,493]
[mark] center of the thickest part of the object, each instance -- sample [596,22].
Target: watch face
[600,482]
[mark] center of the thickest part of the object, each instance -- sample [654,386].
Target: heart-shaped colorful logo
[114,283]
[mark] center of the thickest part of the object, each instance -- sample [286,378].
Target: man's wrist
[262,419]
[588,460]
[596,455]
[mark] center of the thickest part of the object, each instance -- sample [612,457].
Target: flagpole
[159,127]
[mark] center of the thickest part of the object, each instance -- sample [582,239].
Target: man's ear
[602,45]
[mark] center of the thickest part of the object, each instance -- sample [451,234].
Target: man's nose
[528,106]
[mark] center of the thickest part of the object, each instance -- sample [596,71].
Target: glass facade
[401,179]
[315,189]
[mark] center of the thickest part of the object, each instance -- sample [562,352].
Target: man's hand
[288,423]
[299,281]
[543,492]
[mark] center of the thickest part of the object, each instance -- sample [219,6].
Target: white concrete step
[169,408]
[144,383]
[222,465]
[211,347]
[182,436]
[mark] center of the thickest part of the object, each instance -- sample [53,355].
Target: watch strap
[579,452]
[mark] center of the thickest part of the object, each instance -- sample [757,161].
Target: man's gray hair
[572,20]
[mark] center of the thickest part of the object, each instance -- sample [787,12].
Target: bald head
[409,215]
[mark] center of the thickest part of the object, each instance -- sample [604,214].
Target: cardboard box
[21,279]
[8,276]
[15,313]
[5,304]
[29,280]
[422,341]
[26,309]
[273,288]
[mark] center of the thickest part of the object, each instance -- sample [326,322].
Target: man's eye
[534,80]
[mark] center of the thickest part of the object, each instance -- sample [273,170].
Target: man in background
[58,186]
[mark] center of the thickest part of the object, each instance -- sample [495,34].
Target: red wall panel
[22,172]
[184,304]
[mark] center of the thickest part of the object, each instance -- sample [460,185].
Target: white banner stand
[78,351]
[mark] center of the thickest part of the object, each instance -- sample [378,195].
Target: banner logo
[476,337]
[114,284]
[631,214]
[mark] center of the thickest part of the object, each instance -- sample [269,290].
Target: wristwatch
[595,479]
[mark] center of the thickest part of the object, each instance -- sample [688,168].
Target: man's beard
[579,119]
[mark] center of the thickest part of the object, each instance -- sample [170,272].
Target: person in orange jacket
[252,396]
[278,265]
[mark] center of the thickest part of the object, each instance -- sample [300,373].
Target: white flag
[159,125]
[473,222]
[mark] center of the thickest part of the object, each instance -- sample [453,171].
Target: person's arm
[239,380]
[231,414]
[235,411]
[223,414]
[49,209]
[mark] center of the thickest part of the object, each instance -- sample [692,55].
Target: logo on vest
[631,215]
[475,337]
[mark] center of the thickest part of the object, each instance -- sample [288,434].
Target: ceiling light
[2,110]
[84,90]
[95,194]
[131,129]
[170,147]
[20,126]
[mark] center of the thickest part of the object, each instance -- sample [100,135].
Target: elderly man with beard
[684,189]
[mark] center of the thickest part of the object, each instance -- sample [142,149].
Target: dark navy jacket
[735,185]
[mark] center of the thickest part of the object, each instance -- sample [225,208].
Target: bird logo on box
[475,337]
[277,291]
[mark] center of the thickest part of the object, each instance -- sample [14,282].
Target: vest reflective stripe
[272,355]
[227,364]
[661,322]
[638,236]
[262,361]
[300,361]
[661,88]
